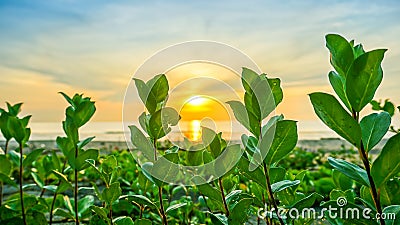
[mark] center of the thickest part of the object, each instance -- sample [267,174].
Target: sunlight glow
[197,101]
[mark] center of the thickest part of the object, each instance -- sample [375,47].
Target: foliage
[355,80]
[74,183]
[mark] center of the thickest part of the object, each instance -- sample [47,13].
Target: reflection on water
[194,133]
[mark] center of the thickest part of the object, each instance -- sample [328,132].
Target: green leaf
[161,121]
[341,53]
[387,164]
[32,156]
[240,211]
[5,165]
[64,213]
[307,202]
[338,85]
[341,181]
[83,143]
[363,78]
[37,180]
[329,110]
[36,218]
[71,130]
[109,164]
[275,85]
[140,200]
[373,128]
[7,180]
[81,163]
[394,212]
[69,100]
[111,194]
[144,93]
[217,218]
[211,141]
[285,139]
[16,129]
[248,120]
[282,185]
[175,207]
[256,175]
[351,170]
[84,204]
[83,112]
[248,77]
[99,211]
[146,170]
[158,86]
[123,220]
[142,143]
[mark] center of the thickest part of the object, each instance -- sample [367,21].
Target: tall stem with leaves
[13,111]
[156,122]
[270,142]
[79,112]
[355,80]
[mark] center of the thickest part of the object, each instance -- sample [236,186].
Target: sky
[95,47]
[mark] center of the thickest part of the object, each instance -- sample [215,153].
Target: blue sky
[95,46]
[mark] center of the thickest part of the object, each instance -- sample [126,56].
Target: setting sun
[197,101]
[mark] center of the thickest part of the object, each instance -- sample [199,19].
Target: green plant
[79,112]
[108,172]
[355,80]
[269,143]
[14,127]
[156,123]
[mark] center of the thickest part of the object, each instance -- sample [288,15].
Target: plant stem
[162,211]
[223,197]
[374,193]
[21,193]
[271,194]
[76,189]
[55,196]
[1,183]
[110,215]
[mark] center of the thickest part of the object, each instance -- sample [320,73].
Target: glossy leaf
[158,87]
[5,165]
[363,78]
[240,211]
[141,143]
[373,128]
[111,194]
[329,110]
[390,211]
[284,141]
[161,121]
[123,220]
[387,164]
[144,93]
[282,185]
[338,85]
[341,53]
[351,170]
[342,181]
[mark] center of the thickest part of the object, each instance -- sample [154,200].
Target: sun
[197,101]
